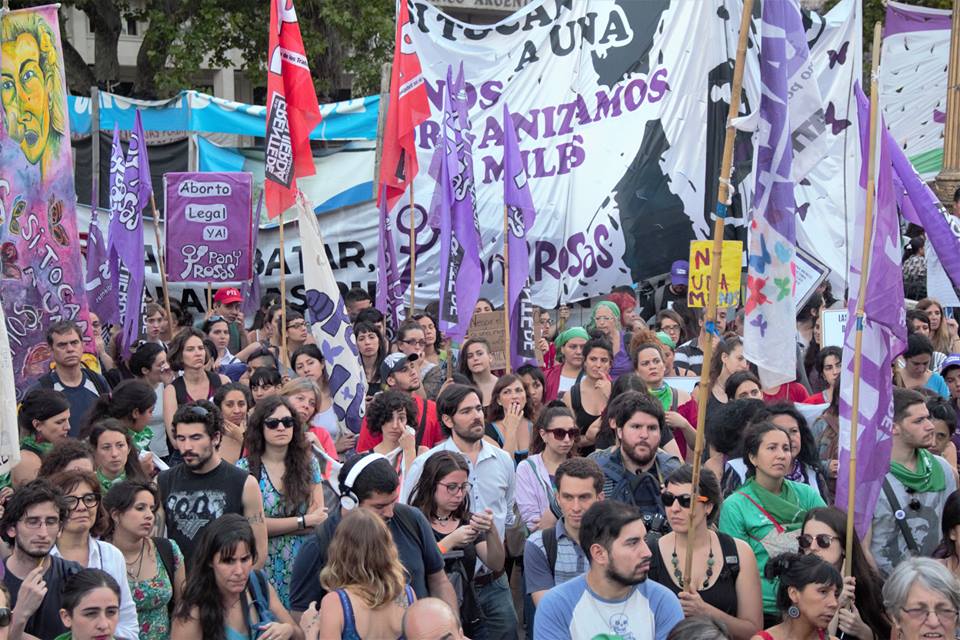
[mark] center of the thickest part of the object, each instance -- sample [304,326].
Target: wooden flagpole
[209,299]
[861,294]
[413,253]
[161,262]
[284,356]
[723,201]
[506,284]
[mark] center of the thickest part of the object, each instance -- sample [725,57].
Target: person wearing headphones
[369,481]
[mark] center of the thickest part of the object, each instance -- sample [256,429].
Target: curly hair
[62,454]
[297,480]
[382,407]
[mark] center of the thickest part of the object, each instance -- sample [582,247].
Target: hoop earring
[793,611]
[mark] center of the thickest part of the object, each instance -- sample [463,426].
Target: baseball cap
[394,362]
[953,360]
[228,295]
[679,271]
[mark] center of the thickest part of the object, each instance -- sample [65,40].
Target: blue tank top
[349,621]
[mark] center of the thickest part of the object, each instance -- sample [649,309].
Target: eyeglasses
[453,488]
[297,324]
[562,434]
[944,614]
[274,423]
[6,615]
[415,343]
[89,500]
[603,318]
[823,540]
[35,522]
[670,328]
[668,499]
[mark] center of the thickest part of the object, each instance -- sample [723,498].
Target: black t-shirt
[45,622]
[419,556]
[191,501]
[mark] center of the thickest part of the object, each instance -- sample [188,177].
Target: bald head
[431,619]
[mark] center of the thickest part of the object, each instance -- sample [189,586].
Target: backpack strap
[897,510]
[675,399]
[550,548]
[423,424]
[731,557]
[777,525]
[165,553]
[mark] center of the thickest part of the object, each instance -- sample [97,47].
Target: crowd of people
[206,487]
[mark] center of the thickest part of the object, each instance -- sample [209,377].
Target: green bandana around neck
[928,477]
[106,483]
[30,442]
[785,508]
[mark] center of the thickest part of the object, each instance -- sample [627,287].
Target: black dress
[581,416]
[722,594]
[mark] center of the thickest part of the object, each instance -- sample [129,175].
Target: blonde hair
[301,385]
[941,337]
[363,558]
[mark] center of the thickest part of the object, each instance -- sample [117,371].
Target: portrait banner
[210,235]
[41,272]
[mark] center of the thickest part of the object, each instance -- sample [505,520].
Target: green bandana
[667,340]
[106,483]
[784,508]
[928,477]
[30,443]
[664,394]
[570,334]
[609,306]
[141,439]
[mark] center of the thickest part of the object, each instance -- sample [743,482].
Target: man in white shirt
[493,481]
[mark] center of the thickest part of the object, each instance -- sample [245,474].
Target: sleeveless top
[722,594]
[580,415]
[349,621]
[180,386]
[767,636]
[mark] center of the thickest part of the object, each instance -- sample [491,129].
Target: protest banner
[699,280]
[210,234]
[490,326]
[40,261]
[811,273]
[833,325]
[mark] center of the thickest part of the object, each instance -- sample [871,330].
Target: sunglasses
[6,615]
[289,422]
[805,540]
[199,411]
[563,434]
[213,319]
[668,499]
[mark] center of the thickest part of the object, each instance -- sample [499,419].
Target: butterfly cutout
[831,119]
[784,287]
[759,263]
[939,117]
[783,252]
[761,323]
[802,210]
[838,57]
[755,294]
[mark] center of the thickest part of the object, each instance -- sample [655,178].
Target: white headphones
[348,499]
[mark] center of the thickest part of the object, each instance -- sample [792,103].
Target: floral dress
[152,596]
[281,550]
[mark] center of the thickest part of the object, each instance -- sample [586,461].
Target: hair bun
[780,564]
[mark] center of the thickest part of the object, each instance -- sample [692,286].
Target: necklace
[442,519]
[138,561]
[675,561]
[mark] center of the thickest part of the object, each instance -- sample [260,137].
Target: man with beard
[614,598]
[204,486]
[634,471]
[493,483]
[31,523]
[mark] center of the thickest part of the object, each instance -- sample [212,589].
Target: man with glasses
[906,521]
[553,556]
[493,486]
[204,486]
[34,578]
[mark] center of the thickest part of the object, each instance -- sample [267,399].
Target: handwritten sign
[209,230]
[731,258]
[833,327]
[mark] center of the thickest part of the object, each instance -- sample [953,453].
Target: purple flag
[251,288]
[101,296]
[520,218]
[459,226]
[117,194]
[884,334]
[770,329]
[389,287]
[126,235]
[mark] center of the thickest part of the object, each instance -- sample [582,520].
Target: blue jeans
[500,618]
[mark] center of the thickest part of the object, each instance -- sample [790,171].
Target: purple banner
[389,286]
[41,280]
[101,296]
[209,229]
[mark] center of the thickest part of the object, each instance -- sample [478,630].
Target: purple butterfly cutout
[939,116]
[761,323]
[836,125]
[838,57]
[802,210]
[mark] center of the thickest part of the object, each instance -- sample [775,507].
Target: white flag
[9,431]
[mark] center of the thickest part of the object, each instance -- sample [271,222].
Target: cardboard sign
[209,237]
[491,327]
[698,284]
[833,326]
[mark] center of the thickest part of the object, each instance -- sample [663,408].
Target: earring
[793,611]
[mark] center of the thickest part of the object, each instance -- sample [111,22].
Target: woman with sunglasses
[309,363]
[443,495]
[114,454]
[188,355]
[727,584]
[44,421]
[508,417]
[807,592]
[77,541]
[605,319]
[304,396]
[554,437]
[155,566]
[590,394]
[278,456]
[768,510]
[234,402]
[861,613]
[90,606]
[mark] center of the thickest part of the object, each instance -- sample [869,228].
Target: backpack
[550,548]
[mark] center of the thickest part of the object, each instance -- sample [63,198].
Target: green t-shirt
[740,518]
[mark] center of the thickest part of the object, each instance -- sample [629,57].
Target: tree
[344,38]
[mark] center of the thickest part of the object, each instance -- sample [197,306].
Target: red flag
[409,106]
[292,109]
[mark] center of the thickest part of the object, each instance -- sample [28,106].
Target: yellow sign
[698,285]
